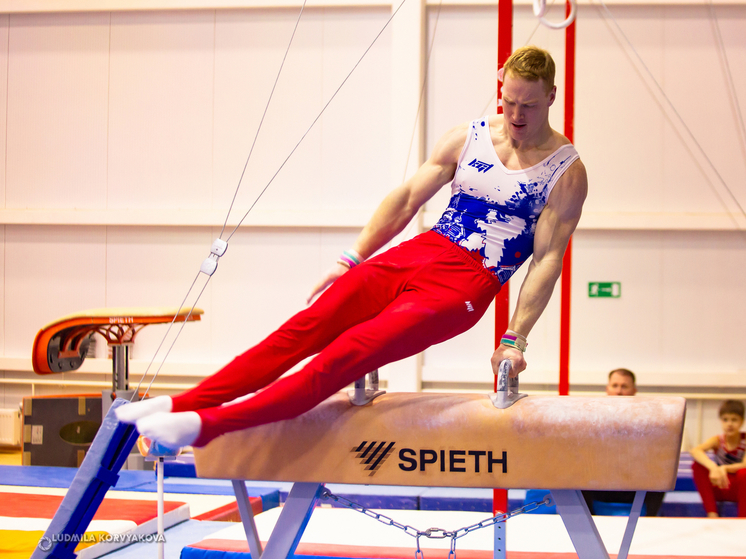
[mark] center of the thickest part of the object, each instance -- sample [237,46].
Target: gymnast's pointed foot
[171,429]
[130,413]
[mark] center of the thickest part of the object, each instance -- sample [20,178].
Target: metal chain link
[433,533]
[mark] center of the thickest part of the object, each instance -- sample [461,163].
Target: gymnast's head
[621,383]
[532,64]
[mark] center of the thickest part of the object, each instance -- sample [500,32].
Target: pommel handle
[507,388]
[362,395]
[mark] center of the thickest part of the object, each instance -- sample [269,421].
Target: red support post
[504,38]
[564,365]
[504,50]
[502,300]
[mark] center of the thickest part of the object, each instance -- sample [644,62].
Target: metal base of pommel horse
[303,497]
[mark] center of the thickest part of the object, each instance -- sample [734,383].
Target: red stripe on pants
[710,494]
[395,305]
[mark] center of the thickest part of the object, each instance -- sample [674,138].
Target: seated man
[622,382]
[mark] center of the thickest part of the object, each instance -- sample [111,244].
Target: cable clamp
[210,264]
[218,248]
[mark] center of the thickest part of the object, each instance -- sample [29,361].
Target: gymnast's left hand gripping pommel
[210,264]
[507,388]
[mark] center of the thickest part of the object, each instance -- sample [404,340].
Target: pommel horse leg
[574,512]
[296,512]
[247,518]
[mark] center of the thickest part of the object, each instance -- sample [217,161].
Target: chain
[433,533]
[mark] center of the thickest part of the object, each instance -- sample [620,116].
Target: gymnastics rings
[540,8]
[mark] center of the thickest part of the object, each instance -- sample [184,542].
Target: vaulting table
[61,345]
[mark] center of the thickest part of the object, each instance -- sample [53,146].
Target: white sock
[130,413]
[171,429]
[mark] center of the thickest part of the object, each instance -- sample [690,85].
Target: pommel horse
[563,444]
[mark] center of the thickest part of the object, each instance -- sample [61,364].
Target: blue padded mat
[134,480]
[270,495]
[192,553]
[53,476]
[461,498]
[683,502]
[179,468]
[378,496]
[98,472]
[37,476]
[685,483]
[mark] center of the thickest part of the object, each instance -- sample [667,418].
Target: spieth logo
[372,455]
[480,166]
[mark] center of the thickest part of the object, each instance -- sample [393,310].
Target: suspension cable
[163,339]
[230,208]
[217,254]
[671,106]
[266,107]
[315,120]
[731,84]
[422,89]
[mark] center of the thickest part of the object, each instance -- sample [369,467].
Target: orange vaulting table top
[61,345]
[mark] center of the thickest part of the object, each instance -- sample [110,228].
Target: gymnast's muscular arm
[402,203]
[553,230]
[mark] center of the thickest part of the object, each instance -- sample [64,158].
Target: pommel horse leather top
[462,440]
[61,345]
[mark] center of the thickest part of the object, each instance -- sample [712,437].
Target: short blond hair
[533,64]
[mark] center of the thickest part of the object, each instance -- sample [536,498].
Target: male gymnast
[518,188]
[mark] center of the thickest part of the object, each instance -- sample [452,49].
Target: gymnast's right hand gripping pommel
[507,387]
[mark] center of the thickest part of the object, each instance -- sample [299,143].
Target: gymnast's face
[620,385]
[526,107]
[731,423]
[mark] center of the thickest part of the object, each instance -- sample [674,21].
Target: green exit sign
[605,289]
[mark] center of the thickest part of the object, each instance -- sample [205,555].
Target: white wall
[125,133]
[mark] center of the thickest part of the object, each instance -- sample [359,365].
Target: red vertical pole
[504,38]
[502,300]
[504,50]
[564,366]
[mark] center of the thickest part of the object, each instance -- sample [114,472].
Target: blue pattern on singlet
[493,211]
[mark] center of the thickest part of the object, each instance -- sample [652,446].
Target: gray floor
[177,537]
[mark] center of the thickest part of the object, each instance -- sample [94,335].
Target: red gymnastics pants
[419,293]
[711,494]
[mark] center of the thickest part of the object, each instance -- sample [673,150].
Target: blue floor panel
[683,502]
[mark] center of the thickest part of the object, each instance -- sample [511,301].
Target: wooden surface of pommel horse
[561,443]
